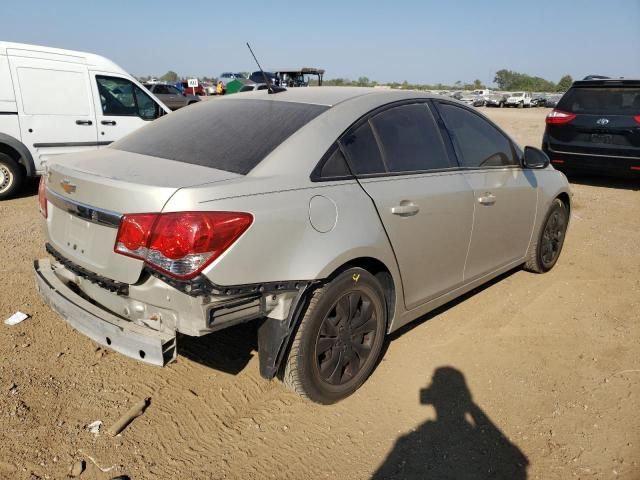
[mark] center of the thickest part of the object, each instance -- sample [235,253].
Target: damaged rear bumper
[138,342]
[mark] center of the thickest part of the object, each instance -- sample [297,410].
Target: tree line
[504,79]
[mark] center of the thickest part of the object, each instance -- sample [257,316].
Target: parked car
[328,235]
[552,100]
[596,128]
[55,101]
[199,90]
[258,77]
[227,77]
[252,87]
[496,100]
[538,100]
[518,99]
[171,96]
[479,100]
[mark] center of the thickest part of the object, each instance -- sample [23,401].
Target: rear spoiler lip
[609,82]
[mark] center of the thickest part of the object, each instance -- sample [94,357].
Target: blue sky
[417,41]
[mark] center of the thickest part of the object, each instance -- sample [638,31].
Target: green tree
[362,82]
[170,76]
[564,83]
[477,85]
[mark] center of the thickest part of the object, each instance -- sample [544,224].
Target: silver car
[332,216]
[171,96]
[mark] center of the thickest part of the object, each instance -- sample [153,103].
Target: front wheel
[544,253]
[339,339]
[11,176]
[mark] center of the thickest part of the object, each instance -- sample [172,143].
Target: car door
[176,98]
[55,111]
[424,203]
[505,193]
[121,106]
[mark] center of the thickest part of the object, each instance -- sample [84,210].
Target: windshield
[517,94]
[230,135]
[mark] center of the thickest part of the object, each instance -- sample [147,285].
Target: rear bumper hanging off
[138,342]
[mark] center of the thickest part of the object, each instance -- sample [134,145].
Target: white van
[55,101]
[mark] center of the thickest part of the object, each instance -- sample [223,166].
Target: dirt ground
[534,376]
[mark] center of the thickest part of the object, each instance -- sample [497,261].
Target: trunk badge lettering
[67,186]
[602,121]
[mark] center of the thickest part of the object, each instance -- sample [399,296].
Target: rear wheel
[11,176]
[544,253]
[521,105]
[339,339]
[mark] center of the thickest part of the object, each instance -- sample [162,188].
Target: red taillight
[180,244]
[557,161]
[42,197]
[558,117]
[637,118]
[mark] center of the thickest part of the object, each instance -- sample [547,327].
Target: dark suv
[596,128]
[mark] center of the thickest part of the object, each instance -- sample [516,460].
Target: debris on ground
[94,427]
[16,318]
[135,411]
[77,468]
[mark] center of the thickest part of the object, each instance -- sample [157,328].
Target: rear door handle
[108,122]
[405,209]
[84,122]
[487,199]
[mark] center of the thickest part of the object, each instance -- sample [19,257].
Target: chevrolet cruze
[331,216]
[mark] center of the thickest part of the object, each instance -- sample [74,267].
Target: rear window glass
[622,101]
[230,135]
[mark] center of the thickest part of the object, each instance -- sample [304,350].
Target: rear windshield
[621,101]
[230,135]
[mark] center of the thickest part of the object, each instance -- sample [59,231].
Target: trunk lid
[89,192]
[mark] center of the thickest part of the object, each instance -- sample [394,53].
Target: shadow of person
[461,443]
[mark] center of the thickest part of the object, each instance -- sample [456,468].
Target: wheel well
[564,198]
[13,153]
[382,274]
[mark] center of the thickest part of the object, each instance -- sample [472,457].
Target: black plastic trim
[84,211]
[71,144]
[104,282]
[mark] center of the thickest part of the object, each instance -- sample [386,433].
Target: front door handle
[405,209]
[84,122]
[108,122]
[487,199]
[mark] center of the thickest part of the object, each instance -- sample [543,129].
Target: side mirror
[535,158]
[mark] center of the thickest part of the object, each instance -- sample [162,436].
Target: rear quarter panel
[283,245]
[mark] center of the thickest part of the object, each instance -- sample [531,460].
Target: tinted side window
[477,142]
[362,151]
[160,89]
[410,139]
[335,166]
[119,96]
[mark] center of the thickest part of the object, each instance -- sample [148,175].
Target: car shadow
[434,313]
[603,181]
[462,442]
[228,350]
[28,189]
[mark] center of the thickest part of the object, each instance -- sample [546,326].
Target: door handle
[84,122]
[108,122]
[487,199]
[405,209]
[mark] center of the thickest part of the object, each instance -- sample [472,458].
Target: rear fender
[25,158]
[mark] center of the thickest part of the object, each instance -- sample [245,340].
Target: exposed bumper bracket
[141,343]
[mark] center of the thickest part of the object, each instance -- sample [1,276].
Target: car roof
[50,53]
[331,96]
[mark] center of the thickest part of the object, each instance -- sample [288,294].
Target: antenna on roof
[270,87]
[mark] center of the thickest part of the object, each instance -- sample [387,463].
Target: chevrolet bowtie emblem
[67,186]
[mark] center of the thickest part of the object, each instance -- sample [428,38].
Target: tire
[545,251]
[501,105]
[339,339]
[521,105]
[11,176]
